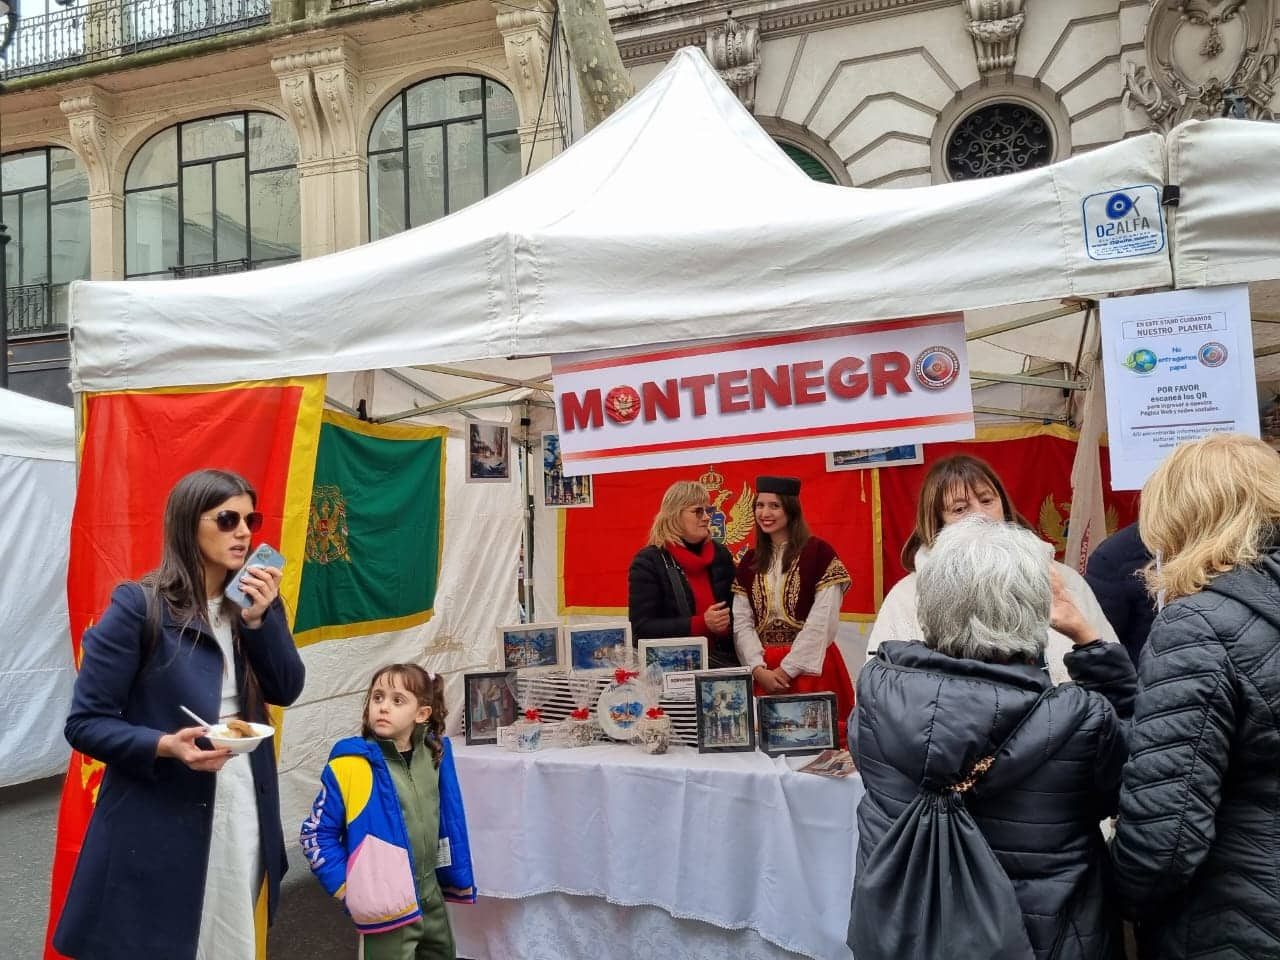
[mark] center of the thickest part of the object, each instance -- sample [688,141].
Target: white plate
[619,709]
[217,736]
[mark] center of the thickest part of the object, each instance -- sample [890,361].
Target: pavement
[309,925]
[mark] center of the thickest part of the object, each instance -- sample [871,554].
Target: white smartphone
[264,556]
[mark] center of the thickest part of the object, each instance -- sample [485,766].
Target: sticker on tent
[1123,223]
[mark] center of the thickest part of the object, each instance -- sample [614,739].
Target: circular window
[996,139]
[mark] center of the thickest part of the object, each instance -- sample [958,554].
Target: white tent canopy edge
[676,219]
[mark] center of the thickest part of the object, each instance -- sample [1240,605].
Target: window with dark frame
[46,207]
[210,196]
[999,138]
[438,146]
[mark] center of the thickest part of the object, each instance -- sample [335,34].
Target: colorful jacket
[357,844]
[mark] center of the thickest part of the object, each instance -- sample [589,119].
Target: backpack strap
[985,764]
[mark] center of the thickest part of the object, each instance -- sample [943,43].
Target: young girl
[387,834]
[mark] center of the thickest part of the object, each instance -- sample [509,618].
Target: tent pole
[444,405]
[1056,383]
[1021,414]
[1063,311]
[542,385]
[525,445]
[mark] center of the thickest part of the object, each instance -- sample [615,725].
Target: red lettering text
[843,378]
[778,390]
[579,413]
[733,392]
[807,379]
[664,400]
[697,387]
[889,370]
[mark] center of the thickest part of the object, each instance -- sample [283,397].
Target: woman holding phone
[182,836]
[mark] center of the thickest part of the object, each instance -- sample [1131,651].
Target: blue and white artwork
[725,706]
[675,657]
[796,724]
[603,647]
[531,646]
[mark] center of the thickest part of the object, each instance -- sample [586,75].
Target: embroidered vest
[816,567]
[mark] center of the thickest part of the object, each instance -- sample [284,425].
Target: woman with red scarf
[679,585]
[786,602]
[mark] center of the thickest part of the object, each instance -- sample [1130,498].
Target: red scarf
[695,567]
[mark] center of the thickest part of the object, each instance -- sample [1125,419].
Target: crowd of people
[1000,727]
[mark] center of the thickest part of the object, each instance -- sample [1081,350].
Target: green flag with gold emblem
[375,532]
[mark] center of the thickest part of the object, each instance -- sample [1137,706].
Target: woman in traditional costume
[786,602]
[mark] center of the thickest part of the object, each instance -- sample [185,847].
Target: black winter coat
[1197,848]
[655,612]
[1113,577]
[139,881]
[924,719]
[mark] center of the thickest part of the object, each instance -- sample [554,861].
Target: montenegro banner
[597,543]
[375,531]
[1033,461]
[867,515]
[134,447]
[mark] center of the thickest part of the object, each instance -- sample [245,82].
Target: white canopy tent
[676,219]
[37,488]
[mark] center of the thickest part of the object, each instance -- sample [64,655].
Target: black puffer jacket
[924,718]
[1113,577]
[1197,849]
[655,611]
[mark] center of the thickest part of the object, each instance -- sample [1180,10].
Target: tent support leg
[525,449]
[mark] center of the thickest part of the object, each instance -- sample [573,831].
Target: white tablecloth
[736,841]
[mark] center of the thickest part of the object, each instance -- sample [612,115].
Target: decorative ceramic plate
[619,709]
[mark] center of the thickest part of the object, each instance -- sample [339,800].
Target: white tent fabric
[37,488]
[1224,228]
[676,219]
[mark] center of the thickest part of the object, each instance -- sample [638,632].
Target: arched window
[999,138]
[438,146]
[218,195]
[46,208]
[807,162]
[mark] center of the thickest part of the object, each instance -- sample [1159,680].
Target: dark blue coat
[139,882]
[1113,576]
[924,719]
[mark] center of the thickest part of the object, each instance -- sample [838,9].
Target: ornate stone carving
[89,118]
[337,89]
[994,26]
[734,50]
[298,93]
[526,36]
[1205,57]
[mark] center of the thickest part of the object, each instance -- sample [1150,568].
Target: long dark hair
[951,473]
[178,582]
[797,534]
[427,689]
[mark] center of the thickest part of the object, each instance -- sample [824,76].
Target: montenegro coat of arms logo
[327,526]
[731,520]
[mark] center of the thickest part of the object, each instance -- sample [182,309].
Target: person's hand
[182,746]
[262,586]
[716,617]
[1065,616]
[773,681]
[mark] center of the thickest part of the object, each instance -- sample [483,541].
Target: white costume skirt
[235,863]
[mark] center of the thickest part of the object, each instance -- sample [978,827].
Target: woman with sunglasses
[679,585]
[183,837]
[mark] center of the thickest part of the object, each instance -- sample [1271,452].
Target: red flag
[134,448]
[598,542]
[1033,461]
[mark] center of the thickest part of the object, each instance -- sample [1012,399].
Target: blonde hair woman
[1200,803]
[679,585]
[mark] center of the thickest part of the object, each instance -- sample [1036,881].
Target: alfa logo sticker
[1123,223]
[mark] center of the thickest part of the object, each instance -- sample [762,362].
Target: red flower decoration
[622,675]
[653,713]
[533,716]
[582,713]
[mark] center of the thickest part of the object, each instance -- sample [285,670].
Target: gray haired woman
[928,711]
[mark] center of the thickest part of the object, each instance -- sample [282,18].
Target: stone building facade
[148,139]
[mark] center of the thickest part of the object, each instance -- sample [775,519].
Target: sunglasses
[229,520]
[700,511]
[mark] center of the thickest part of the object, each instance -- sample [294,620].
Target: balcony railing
[110,28]
[31,310]
[209,269]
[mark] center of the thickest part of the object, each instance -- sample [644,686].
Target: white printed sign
[1123,223]
[880,383]
[1178,366]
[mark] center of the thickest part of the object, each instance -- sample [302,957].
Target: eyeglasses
[229,520]
[700,511]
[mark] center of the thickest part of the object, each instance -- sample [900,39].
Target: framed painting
[489,703]
[597,647]
[794,724]
[530,647]
[726,720]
